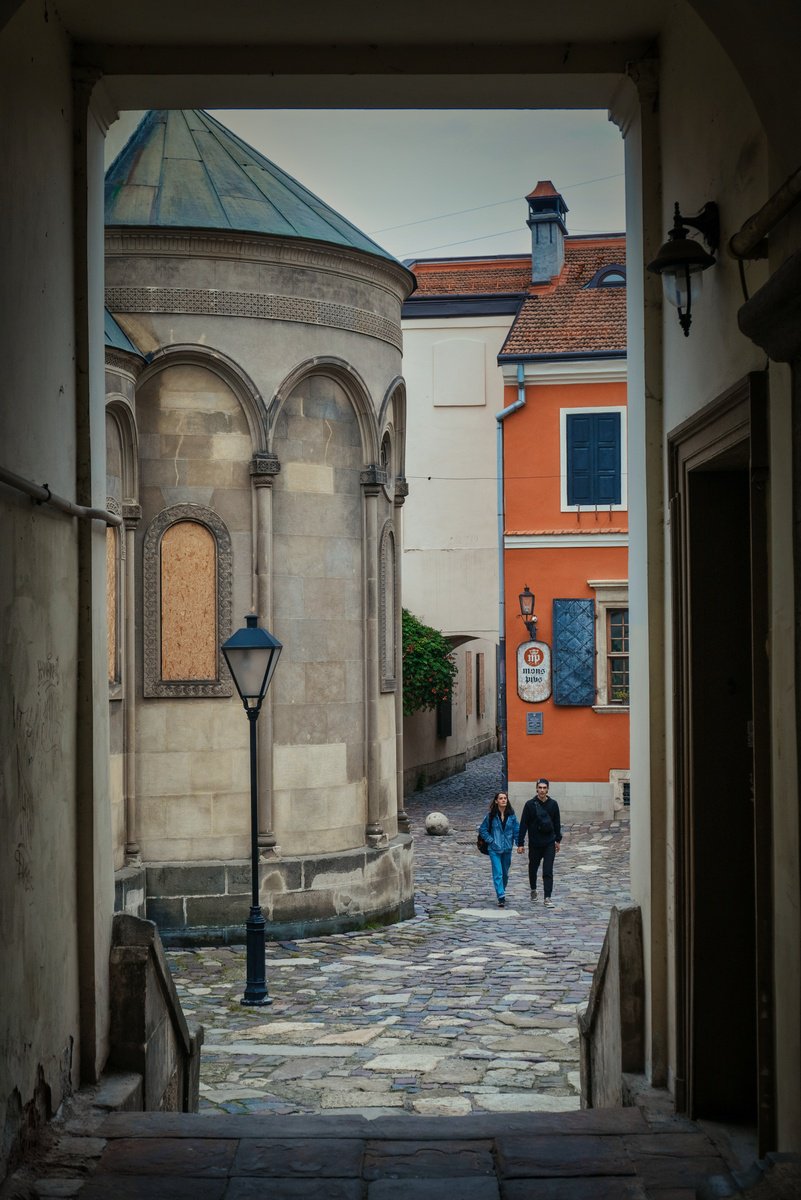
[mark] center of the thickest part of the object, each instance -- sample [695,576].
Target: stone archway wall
[319,751]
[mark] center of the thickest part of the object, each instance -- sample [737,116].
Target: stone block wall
[208,903]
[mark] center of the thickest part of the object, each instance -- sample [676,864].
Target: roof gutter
[569,356]
[501,673]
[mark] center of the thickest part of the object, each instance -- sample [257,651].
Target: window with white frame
[593,459]
[611,644]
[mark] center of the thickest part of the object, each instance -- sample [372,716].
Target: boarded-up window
[481,704]
[112,591]
[187,567]
[468,683]
[188,603]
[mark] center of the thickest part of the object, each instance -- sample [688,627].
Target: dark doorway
[721,803]
[722,758]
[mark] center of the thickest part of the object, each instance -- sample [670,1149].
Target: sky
[427,184]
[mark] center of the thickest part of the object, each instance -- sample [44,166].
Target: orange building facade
[565,521]
[559,316]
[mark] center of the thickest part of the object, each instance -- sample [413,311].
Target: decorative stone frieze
[127,364]
[210,302]
[390,276]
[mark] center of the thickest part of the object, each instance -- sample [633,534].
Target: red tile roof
[472,277]
[566,316]
[560,317]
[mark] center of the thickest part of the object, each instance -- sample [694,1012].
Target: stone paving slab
[205,1157]
[317,1158]
[463,983]
[575,1189]
[443,1159]
[153,1187]
[559,1156]
[434,1189]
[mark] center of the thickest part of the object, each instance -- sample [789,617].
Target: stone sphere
[437,824]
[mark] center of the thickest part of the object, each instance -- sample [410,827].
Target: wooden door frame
[739,415]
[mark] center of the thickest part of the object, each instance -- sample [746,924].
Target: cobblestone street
[465,1008]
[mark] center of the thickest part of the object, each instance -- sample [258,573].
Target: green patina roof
[117,338]
[182,169]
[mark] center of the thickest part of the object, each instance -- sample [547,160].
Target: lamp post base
[256,986]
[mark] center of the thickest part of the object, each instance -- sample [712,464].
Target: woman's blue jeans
[500,864]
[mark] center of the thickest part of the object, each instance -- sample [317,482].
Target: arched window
[613,275]
[187,603]
[387,605]
[113,600]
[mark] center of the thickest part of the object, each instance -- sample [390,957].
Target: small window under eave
[610,276]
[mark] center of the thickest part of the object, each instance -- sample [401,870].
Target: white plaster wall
[718,156]
[450,547]
[713,147]
[39,1010]
[427,757]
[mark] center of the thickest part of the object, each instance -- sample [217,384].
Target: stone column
[263,469]
[131,515]
[635,110]
[401,492]
[372,480]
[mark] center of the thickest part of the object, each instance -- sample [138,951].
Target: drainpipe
[500,418]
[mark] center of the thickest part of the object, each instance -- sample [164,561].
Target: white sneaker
[547,903]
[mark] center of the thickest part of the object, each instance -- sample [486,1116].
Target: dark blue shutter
[593,458]
[579,459]
[607,458]
[574,652]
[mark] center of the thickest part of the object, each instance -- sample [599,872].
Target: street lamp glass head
[681,260]
[252,655]
[526,599]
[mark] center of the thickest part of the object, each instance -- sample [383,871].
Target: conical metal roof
[182,169]
[117,338]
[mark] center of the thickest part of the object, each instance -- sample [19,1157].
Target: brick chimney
[546,212]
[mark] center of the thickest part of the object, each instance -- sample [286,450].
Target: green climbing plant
[428,667]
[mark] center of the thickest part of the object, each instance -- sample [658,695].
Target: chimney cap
[543,188]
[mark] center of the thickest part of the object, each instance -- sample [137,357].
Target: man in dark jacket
[540,820]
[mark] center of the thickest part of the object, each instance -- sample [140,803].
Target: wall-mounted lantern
[526,599]
[681,260]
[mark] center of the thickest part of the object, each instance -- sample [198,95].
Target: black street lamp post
[252,655]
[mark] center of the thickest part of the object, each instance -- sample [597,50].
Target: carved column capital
[263,469]
[131,515]
[372,479]
[401,491]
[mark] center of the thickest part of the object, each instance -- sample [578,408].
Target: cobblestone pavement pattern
[465,1008]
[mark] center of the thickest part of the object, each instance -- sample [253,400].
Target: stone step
[589,1154]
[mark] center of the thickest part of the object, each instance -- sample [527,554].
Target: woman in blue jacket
[499,830]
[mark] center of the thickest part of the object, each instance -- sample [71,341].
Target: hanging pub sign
[534,671]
